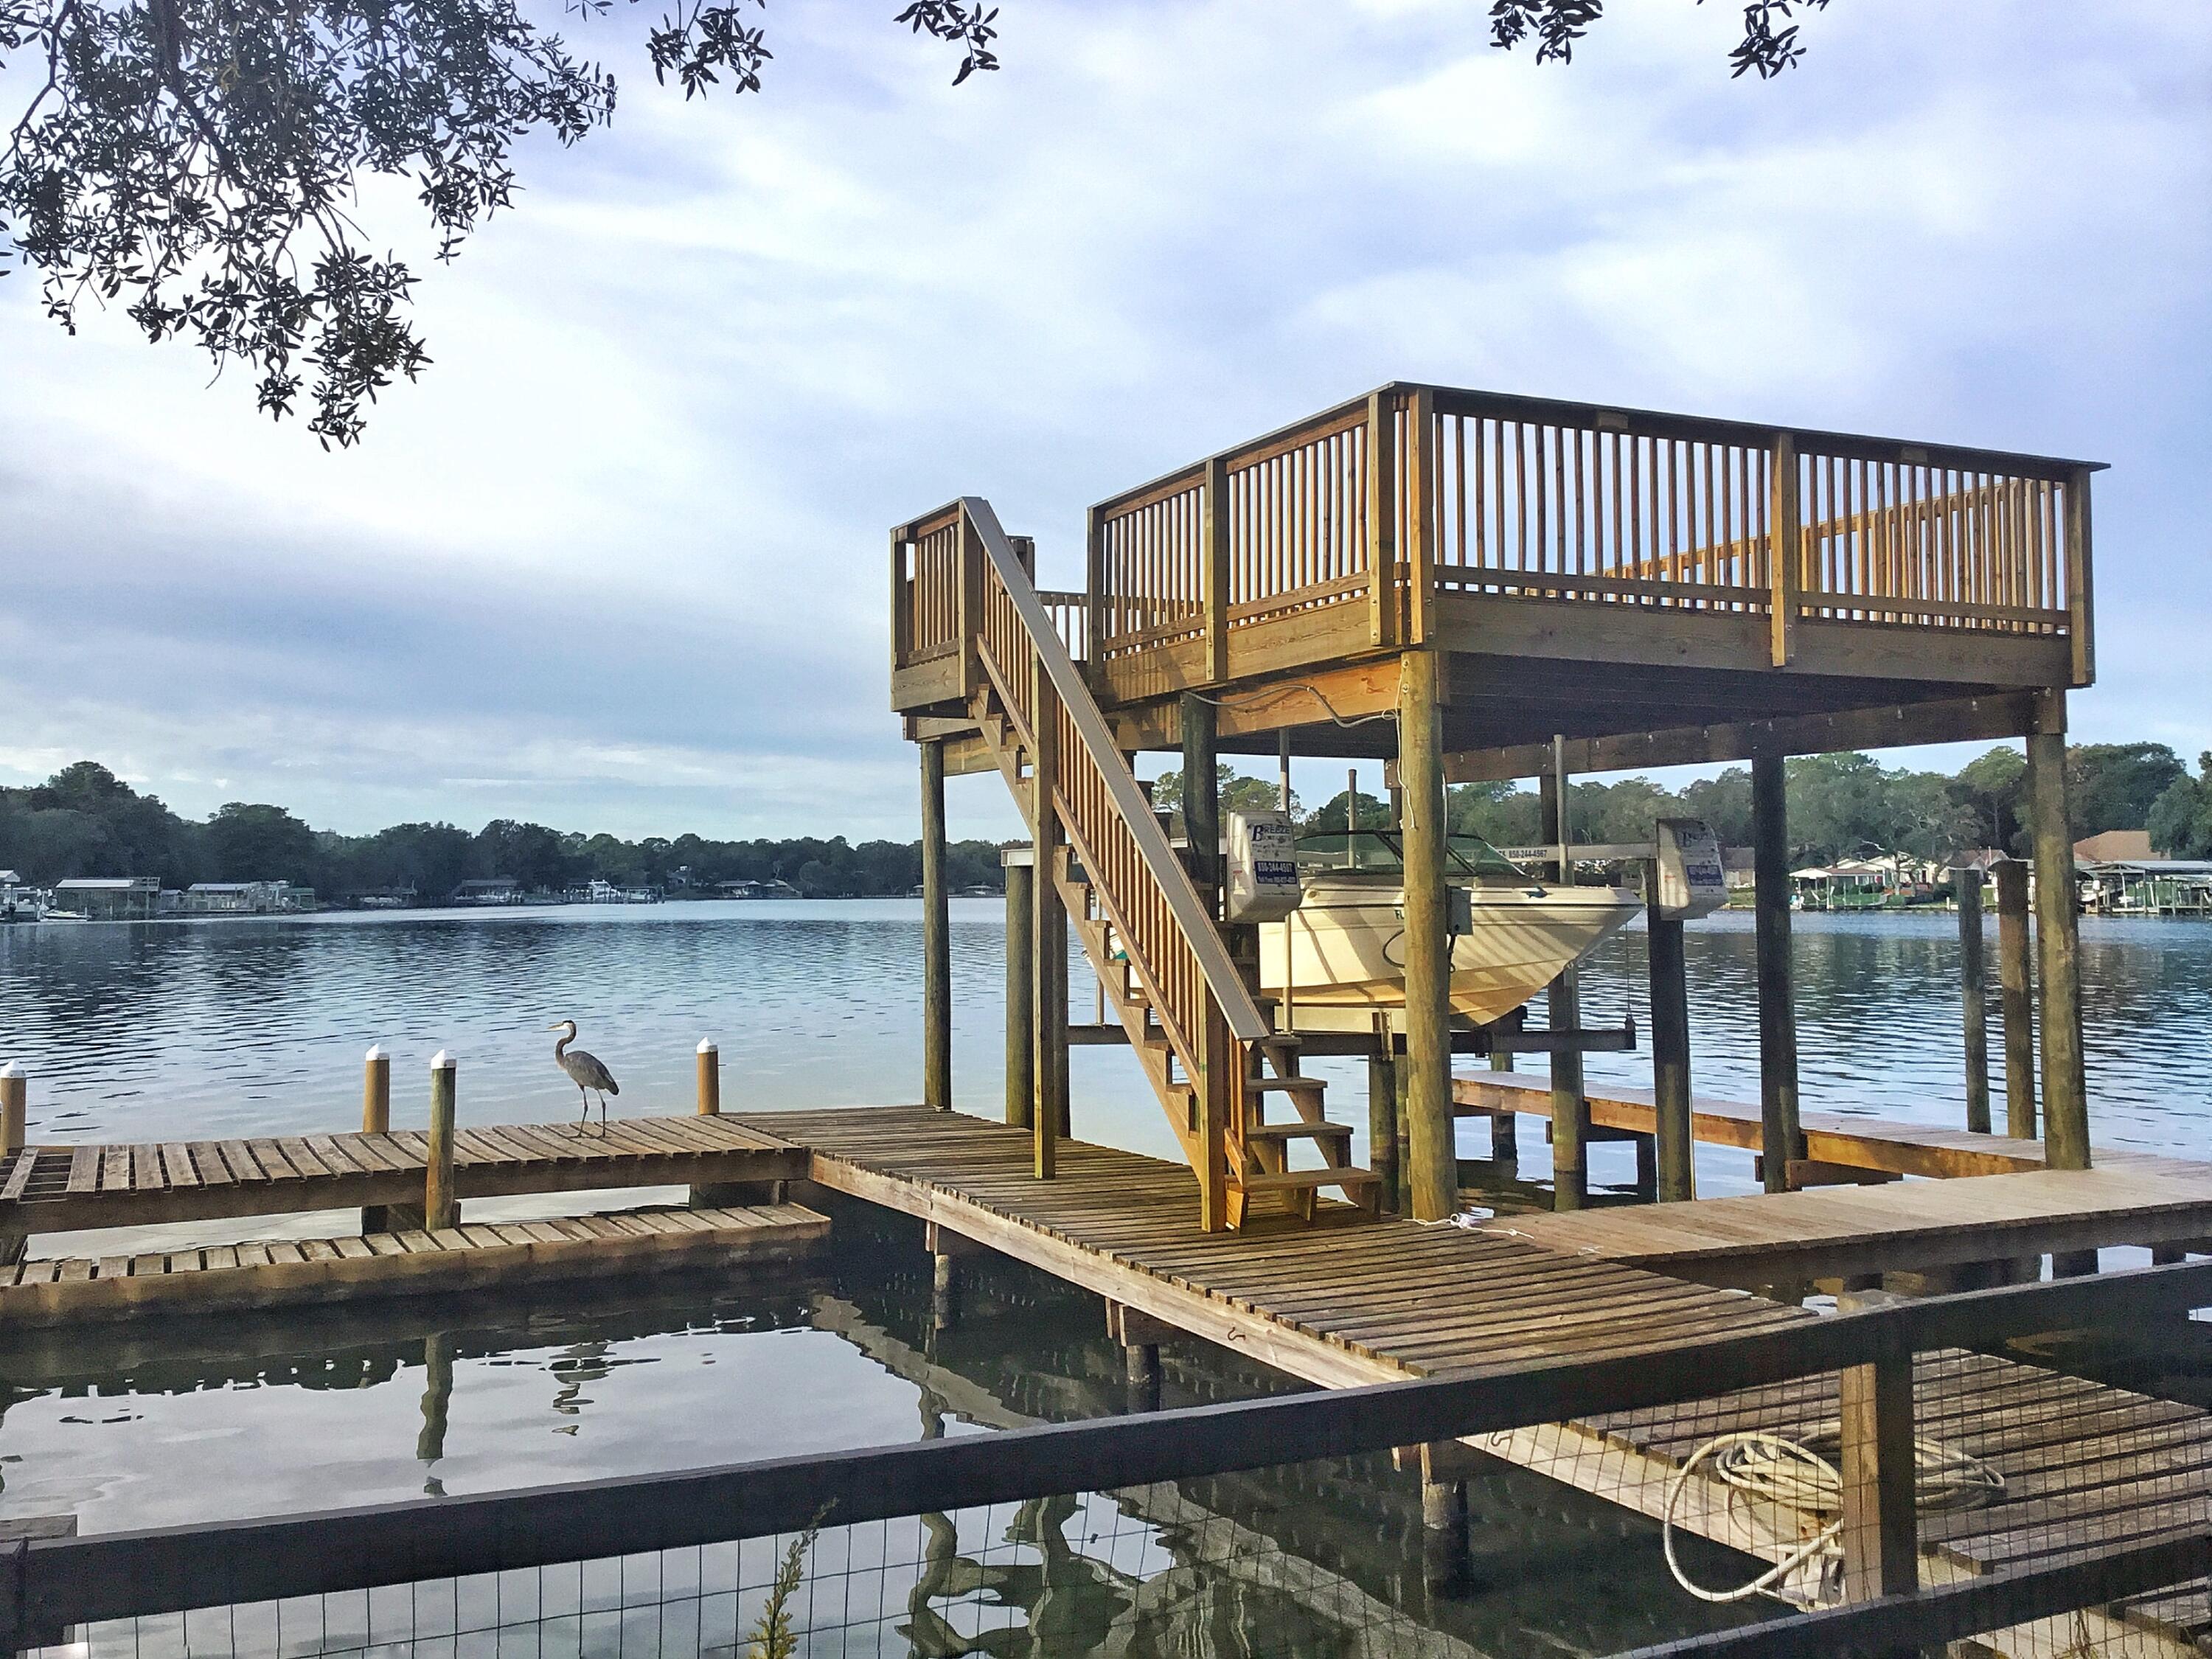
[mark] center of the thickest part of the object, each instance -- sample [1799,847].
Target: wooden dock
[1374,1301]
[228,1279]
[52,1189]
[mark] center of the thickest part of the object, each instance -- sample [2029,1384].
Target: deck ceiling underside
[1507,702]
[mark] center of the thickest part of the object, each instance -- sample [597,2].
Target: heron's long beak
[557,1025]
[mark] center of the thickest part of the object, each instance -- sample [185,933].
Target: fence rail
[49,1583]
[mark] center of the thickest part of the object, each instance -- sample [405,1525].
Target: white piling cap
[375,1053]
[13,1068]
[707,1046]
[441,1061]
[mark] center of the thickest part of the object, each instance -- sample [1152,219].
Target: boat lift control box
[1263,867]
[1692,881]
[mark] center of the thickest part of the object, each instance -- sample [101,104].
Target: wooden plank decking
[1831,1232]
[51,1189]
[1381,1301]
[229,1278]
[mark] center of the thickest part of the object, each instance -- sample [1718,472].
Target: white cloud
[622,546]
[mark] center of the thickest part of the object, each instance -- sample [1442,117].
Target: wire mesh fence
[1929,1471]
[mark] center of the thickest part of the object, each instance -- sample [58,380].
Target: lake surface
[258,1027]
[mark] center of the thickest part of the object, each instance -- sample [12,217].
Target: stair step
[1283,1132]
[1292,1084]
[1300,1181]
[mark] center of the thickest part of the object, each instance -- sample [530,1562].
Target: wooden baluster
[1783,557]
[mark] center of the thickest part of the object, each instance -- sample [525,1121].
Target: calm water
[258,1027]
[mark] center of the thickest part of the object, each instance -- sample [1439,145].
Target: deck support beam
[1569,1111]
[2065,1088]
[1201,800]
[1431,1159]
[1973,985]
[1778,992]
[2016,987]
[1383,1112]
[1049,994]
[1676,1134]
[936,938]
[1881,1532]
[1021,987]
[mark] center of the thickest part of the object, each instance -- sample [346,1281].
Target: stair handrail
[1238,1011]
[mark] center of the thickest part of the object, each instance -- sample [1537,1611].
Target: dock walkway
[1382,1301]
[52,1189]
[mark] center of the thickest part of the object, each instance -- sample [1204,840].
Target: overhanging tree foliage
[198,163]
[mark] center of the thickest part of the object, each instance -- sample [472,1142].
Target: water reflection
[1319,1557]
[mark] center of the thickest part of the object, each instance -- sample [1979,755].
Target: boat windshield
[1382,851]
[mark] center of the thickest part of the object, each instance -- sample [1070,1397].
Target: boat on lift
[1340,958]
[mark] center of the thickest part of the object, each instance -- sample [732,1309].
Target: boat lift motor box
[1263,867]
[1692,881]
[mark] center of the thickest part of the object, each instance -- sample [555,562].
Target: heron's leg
[584,1121]
[602,1113]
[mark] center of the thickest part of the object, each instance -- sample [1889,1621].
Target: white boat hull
[1340,958]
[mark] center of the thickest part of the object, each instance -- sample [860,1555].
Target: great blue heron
[586,1072]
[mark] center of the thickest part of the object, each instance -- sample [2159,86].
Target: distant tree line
[85,821]
[1840,805]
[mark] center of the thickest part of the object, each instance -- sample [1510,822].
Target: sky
[617,562]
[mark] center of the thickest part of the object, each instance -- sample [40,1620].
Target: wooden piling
[1048,997]
[1430,1158]
[1880,1530]
[936,936]
[2065,1084]
[1670,1053]
[1570,1110]
[1973,987]
[1779,1140]
[1202,799]
[375,1120]
[1021,985]
[710,1078]
[1383,1112]
[14,1108]
[1505,1132]
[2016,983]
[440,1208]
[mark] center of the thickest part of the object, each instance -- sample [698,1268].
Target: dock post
[14,1108]
[1021,985]
[1779,1140]
[1443,1466]
[1974,981]
[1672,1123]
[1570,1108]
[1383,1110]
[14,1117]
[2016,983]
[936,938]
[1880,1531]
[2058,942]
[710,1078]
[1140,1335]
[1049,998]
[375,1120]
[1430,1152]
[1504,1130]
[440,1209]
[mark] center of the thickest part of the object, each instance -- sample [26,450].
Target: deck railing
[1417,493]
[1203,1007]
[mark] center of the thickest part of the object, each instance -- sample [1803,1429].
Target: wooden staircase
[1202,1037]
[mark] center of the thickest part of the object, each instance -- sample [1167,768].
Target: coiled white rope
[1801,1477]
